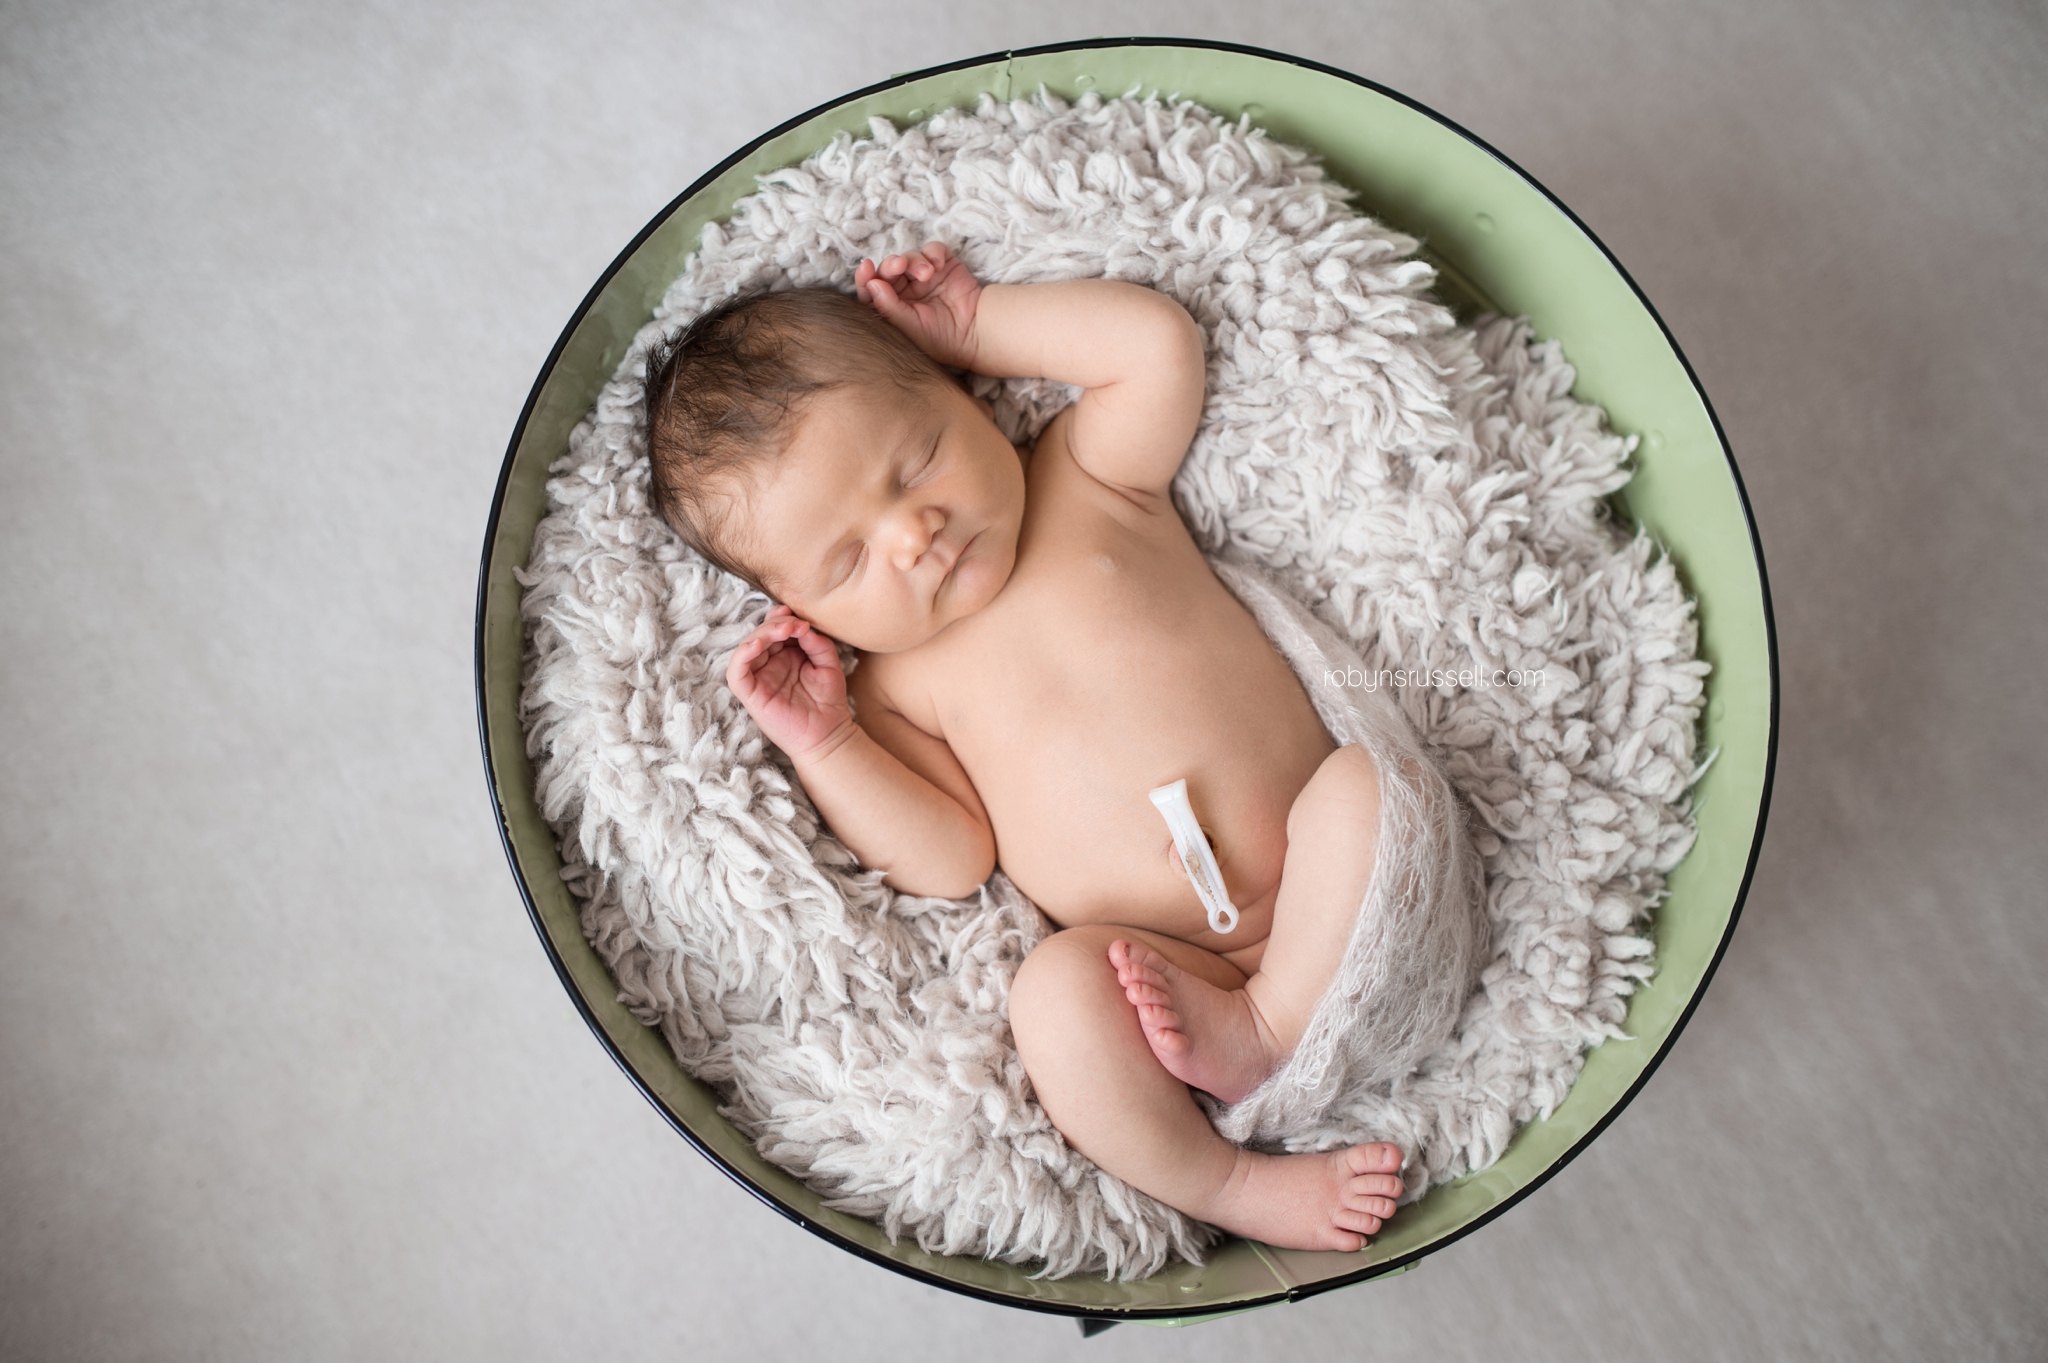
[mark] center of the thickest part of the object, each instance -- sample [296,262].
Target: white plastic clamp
[1197,858]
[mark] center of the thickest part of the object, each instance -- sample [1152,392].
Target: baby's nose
[916,531]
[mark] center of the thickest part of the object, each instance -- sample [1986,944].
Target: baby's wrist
[833,743]
[970,339]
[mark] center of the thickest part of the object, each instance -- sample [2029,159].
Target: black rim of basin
[1380,1269]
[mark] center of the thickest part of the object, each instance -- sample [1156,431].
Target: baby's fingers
[821,651]
[766,635]
[744,659]
[775,629]
[865,277]
[883,297]
[739,673]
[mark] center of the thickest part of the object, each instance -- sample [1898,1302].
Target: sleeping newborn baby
[1043,646]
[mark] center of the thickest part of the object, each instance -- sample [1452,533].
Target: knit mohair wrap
[1410,960]
[1427,495]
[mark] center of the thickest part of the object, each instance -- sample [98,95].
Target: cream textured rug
[1430,491]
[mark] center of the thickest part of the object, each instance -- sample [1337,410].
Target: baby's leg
[1226,1039]
[1097,1078]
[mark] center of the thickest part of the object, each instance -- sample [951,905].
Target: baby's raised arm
[908,809]
[1135,351]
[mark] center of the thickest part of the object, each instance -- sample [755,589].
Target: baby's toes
[1144,987]
[1364,1223]
[1142,994]
[1377,1158]
[1143,957]
[1132,958]
[1376,1185]
[1158,1018]
[1382,1207]
[1162,1031]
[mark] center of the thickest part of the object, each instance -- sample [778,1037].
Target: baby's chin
[901,637]
[979,582]
[897,635]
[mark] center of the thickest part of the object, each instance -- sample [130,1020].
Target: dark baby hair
[723,392]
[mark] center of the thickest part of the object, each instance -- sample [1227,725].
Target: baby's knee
[1341,797]
[1067,969]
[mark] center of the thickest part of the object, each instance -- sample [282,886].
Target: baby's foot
[1324,1201]
[1208,1038]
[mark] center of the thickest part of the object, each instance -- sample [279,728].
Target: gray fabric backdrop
[283,1072]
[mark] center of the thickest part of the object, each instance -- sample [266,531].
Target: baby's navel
[1172,853]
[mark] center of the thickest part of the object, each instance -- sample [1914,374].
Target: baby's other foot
[1208,1038]
[1333,1200]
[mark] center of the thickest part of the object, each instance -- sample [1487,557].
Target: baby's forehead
[735,511]
[844,432]
[781,513]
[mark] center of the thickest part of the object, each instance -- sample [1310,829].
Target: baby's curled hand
[788,676]
[930,296]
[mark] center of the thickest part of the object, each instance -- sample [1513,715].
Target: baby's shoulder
[896,683]
[1064,494]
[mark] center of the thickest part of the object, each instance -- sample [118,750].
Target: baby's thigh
[1332,843]
[1339,806]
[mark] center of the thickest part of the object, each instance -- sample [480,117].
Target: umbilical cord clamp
[1197,858]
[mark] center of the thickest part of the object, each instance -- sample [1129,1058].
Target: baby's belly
[1065,745]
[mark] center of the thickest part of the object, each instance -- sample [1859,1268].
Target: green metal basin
[1503,243]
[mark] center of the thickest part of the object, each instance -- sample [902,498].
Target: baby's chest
[1108,636]
[1113,676]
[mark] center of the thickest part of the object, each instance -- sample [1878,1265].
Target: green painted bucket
[1503,244]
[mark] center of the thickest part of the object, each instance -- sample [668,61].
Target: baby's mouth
[959,557]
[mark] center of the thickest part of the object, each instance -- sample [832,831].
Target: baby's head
[802,442]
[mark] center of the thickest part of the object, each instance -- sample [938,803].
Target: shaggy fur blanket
[1430,491]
